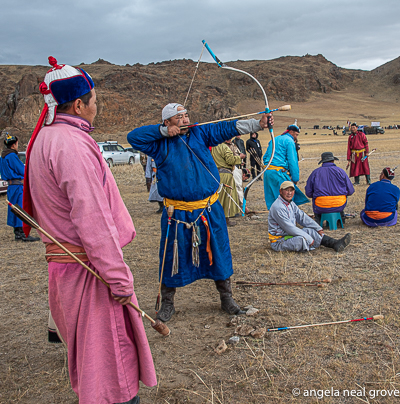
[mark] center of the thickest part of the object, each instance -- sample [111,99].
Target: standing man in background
[253,146]
[12,170]
[226,161]
[151,181]
[239,143]
[357,148]
[284,167]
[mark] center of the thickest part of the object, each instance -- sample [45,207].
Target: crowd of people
[108,352]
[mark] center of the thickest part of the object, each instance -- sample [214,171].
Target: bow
[267,111]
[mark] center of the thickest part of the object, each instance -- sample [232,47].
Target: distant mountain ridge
[130,96]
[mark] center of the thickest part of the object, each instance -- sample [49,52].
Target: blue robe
[181,176]
[12,168]
[381,196]
[285,156]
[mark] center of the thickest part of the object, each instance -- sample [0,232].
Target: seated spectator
[381,201]
[328,186]
[283,233]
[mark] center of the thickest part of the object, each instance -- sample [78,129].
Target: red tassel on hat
[53,62]
[43,88]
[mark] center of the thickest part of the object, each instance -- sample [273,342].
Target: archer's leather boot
[225,292]
[357,180]
[21,235]
[17,233]
[161,207]
[368,178]
[230,223]
[167,303]
[337,245]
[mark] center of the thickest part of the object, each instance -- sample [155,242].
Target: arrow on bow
[282,108]
[266,111]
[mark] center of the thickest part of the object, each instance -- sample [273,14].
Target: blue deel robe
[12,168]
[181,176]
[285,156]
[381,196]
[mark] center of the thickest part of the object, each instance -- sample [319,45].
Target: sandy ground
[365,282]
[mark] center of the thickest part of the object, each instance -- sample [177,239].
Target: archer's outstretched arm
[145,138]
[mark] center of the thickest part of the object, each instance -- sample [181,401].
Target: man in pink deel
[71,192]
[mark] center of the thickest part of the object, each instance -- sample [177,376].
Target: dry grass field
[337,358]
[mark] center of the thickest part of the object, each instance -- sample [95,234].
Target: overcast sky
[357,34]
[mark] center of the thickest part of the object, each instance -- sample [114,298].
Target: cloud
[358,34]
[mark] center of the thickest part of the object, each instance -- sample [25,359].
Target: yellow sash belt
[330,201]
[276,168]
[191,206]
[358,151]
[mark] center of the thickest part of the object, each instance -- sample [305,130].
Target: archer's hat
[62,84]
[171,110]
[388,172]
[9,140]
[326,157]
[286,184]
[294,128]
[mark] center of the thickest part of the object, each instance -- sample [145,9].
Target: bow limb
[267,111]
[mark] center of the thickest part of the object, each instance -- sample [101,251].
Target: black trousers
[255,168]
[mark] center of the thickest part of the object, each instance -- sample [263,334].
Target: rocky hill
[130,96]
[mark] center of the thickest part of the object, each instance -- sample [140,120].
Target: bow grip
[269,123]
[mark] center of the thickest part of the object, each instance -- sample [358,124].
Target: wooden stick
[377,317]
[319,284]
[18,211]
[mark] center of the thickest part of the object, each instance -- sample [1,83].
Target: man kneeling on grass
[381,201]
[283,233]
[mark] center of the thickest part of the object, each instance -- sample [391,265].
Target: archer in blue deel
[284,166]
[12,170]
[197,246]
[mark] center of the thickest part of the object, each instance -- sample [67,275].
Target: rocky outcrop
[129,96]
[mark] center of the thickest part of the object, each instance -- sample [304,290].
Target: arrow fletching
[21,214]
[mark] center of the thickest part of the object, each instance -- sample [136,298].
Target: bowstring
[212,175]
[194,75]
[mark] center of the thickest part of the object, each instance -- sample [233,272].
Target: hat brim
[327,161]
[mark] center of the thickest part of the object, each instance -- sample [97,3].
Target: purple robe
[328,180]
